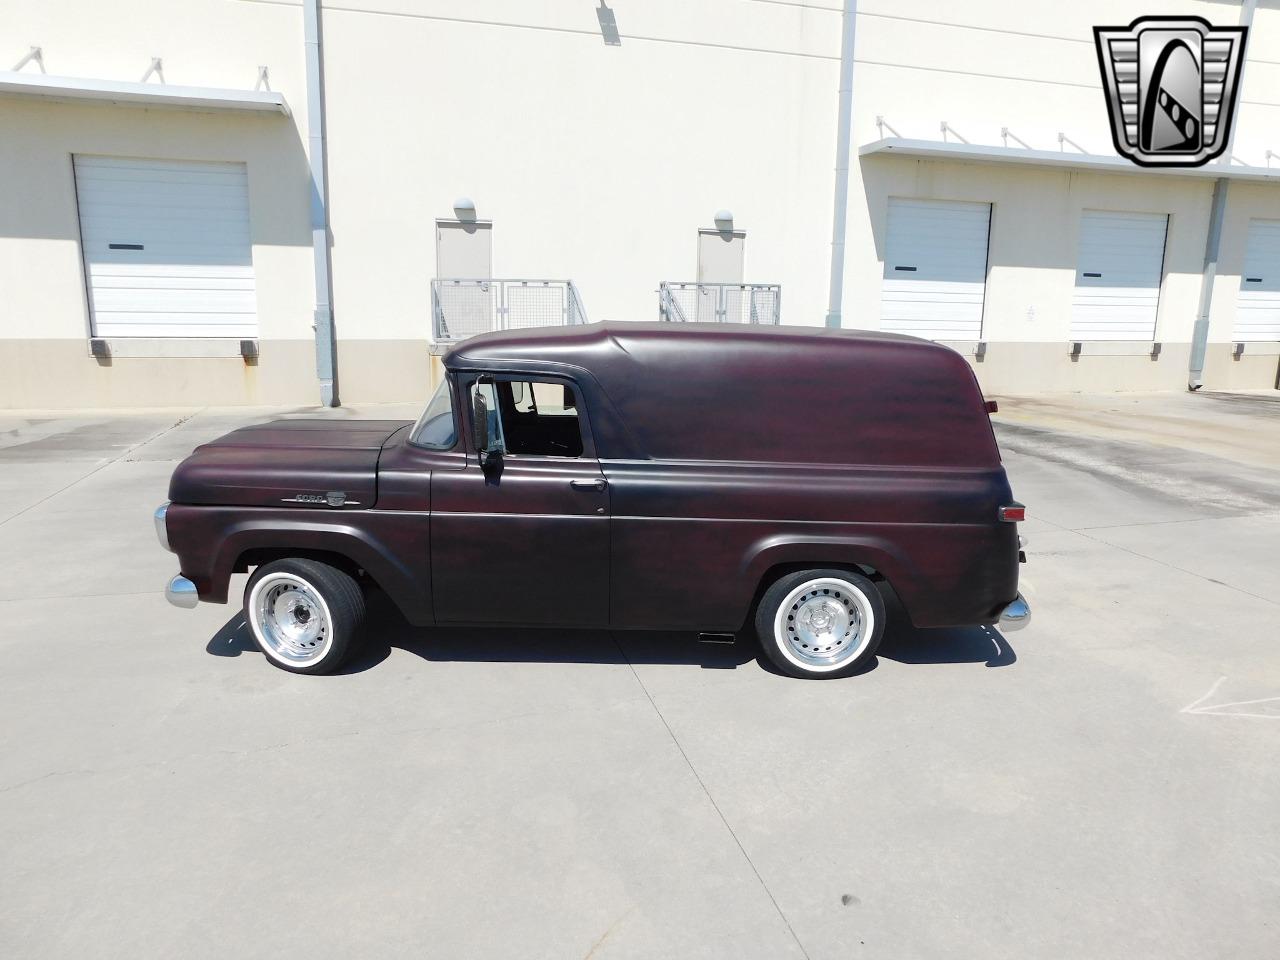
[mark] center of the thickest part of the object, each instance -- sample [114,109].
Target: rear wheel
[304,614]
[820,623]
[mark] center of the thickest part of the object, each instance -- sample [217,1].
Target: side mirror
[480,421]
[489,448]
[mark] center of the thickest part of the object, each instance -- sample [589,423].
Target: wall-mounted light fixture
[464,208]
[724,220]
[608,25]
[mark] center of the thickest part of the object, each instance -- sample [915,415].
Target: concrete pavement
[1103,784]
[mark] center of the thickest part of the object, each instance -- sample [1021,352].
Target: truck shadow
[984,645]
[386,629]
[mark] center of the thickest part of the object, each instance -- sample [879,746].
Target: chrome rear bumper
[1015,616]
[181,592]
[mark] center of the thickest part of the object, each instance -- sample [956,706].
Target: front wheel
[304,614]
[820,623]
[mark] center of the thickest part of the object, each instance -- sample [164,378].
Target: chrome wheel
[290,619]
[823,624]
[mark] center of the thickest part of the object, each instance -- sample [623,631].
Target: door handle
[599,484]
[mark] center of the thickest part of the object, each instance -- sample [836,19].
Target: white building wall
[595,163]
[599,163]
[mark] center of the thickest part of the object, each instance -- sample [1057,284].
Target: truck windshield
[436,427]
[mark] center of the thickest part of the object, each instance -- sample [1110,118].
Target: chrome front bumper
[181,592]
[162,526]
[1015,616]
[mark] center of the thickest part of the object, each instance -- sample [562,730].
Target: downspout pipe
[1200,333]
[326,348]
[843,134]
[1213,241]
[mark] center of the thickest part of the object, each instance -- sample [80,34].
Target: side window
[522,397]
[554,400]
[537,418]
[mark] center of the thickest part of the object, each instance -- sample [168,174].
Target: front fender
[210,540]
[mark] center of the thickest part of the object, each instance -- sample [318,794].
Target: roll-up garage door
[166,247]
[935,268]
[1118,266]
[1258,304]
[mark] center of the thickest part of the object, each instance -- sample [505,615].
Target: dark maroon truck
[624,476]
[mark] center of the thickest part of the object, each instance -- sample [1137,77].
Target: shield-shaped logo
[1171,88]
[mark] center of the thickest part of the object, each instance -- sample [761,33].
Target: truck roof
[704,391]
[563,344]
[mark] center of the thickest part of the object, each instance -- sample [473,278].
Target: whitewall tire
[820,623]
[304,614]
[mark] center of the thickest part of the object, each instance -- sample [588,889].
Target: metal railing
[465,308]
[720,302]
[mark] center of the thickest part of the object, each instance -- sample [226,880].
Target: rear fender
[818,551]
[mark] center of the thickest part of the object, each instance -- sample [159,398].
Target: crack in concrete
[1201,480]
[712,800]
[102,466]
[1137,553]
[605,936]
[1161,523]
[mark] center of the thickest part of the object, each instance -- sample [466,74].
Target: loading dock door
[1258,303]
[167,250]
[1119,262]
[935,268]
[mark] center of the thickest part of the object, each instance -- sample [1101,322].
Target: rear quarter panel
[692,542]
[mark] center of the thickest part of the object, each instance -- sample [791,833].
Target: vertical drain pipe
[1200,333]
[843,134]
[326,368]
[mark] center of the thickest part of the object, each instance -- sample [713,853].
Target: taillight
[1013,513]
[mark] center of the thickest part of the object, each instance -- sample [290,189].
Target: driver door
[525,540]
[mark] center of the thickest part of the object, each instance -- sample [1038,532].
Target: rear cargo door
[1258,304]
[935,268]
[1119,263]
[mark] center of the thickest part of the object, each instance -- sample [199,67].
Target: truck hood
[296,463]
